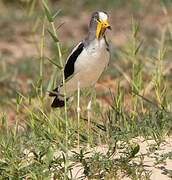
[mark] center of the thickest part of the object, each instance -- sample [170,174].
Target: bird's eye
[96,19]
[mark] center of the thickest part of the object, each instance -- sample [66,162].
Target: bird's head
[100,24]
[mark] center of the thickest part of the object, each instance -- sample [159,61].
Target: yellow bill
[99,27]
[105,24]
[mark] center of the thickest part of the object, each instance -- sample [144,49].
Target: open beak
[105,24]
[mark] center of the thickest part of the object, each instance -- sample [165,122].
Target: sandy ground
[158,172]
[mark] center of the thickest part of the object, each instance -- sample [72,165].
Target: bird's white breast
[92,62]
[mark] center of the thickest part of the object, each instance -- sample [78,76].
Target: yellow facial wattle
[99,27]
[105,24]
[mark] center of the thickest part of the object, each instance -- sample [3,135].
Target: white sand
[159,172]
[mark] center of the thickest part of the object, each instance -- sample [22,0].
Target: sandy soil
[159,172]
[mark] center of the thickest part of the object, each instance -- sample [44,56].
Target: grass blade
[47,11]
[53,62]
[53,36]
[56,14]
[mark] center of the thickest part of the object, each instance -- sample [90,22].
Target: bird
[87,61]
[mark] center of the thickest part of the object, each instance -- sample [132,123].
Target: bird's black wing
[69,67]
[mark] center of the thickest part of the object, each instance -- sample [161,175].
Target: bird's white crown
[103,16]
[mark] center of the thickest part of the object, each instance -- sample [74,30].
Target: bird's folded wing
[69,67]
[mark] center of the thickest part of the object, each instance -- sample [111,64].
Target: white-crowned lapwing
[87,61]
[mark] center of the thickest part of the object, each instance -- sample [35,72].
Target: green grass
[43,142]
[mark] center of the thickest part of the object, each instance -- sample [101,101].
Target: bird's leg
[88,113]
[90,102]
[78,112]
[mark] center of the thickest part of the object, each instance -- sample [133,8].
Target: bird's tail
[56,102]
